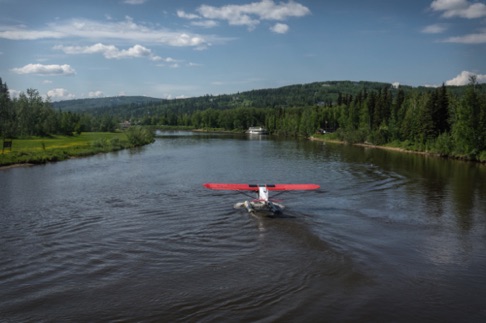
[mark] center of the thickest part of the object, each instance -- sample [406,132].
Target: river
[134,236]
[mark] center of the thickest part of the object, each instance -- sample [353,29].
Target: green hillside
[96,103]
[298,95]
[328,93]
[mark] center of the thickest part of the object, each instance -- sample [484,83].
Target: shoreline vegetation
[449,122]
[42,150]
[390,147]
[322,138]
[333,138]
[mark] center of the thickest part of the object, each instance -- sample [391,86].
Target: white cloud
[45,69]
[250,14]
[134,2]
[463,78]
[235,15]
[188,40]
[476,38]
[183,14]
[60,94]
[96,94]
[171,64]
[462,9]
[110,51]
[20,33]
[434,29]
[279,28]
[196,19]
[14,93]
[205,23]
[459,8]
[126,30]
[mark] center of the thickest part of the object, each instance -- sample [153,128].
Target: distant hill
[294,95]
[96,103]
[298,95]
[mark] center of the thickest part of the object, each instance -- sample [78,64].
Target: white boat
[257,131]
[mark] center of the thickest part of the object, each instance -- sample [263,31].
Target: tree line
[30,115]
[434,121]
[444,120]
[450,121]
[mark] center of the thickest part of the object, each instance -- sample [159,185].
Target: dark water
[133,236]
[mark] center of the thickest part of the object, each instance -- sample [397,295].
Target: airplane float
[262,204]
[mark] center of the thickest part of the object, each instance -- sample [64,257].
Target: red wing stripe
[293,187]
[231,187]
[254,187]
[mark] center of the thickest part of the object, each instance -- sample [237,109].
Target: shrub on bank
[139,136]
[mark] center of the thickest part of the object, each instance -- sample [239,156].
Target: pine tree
[7,115]
[371,108]
[465,129]
[427,112]
[482,122]
[442,116]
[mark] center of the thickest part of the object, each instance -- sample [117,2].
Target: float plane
[262,204]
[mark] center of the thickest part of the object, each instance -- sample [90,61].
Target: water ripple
[135,237]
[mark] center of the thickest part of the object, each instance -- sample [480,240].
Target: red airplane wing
[254,187]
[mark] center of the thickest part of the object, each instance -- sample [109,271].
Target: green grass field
[56,148]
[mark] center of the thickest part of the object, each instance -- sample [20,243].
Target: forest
[447,120]
[31,115]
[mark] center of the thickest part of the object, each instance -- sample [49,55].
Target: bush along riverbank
[404,147]
[41,150]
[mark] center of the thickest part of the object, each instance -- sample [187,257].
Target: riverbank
[323,138]
[32,151]
[365,145]
[217,130]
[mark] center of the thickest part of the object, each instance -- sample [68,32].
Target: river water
[134,236]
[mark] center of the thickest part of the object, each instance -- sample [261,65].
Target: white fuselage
[262,205]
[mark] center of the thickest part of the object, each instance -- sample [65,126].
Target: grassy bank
[57,148]
[334,139]
[394,146]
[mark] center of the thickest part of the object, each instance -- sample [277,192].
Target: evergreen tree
[371,109]
[411,125]
[7,115]
[465,130]
[442,115]
[427,112]
[482,122]
[396,116]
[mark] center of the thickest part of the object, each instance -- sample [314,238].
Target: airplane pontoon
[262,204]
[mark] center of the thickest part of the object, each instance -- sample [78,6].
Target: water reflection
[442,188]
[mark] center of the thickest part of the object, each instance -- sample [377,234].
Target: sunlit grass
[40,150]
[57,142]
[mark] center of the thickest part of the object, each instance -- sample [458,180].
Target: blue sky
[182,48]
